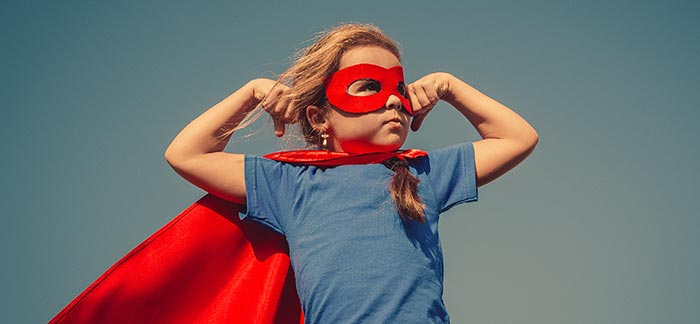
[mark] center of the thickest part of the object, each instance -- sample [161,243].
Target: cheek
[346,129]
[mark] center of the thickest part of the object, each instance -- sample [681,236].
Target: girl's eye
[402,89]
[364,87]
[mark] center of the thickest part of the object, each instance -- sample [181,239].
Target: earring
[324,140]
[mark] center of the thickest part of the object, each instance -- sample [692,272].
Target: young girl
[359,215]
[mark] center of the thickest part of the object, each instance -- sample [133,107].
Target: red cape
[206,266]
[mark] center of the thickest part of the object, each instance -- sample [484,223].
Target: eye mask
[371,87]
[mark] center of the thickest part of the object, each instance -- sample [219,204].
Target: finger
[290,112]
[432,94]
[422,96]
[427,101]
[276,92]
[415,104]
[281,108]
[422,103]
[270,101]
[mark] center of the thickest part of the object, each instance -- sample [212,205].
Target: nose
[393,102]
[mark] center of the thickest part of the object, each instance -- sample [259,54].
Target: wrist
[445,86]
[254,90]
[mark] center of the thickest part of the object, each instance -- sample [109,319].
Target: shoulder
[454,155]
[260,168]
[450,174]
[461,148]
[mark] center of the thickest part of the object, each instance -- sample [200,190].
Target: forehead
[369,54]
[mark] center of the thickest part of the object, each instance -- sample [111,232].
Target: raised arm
[197,154]
[507,139]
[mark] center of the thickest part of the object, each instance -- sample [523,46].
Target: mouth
[394,120]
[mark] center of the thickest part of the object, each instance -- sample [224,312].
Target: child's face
[385,129]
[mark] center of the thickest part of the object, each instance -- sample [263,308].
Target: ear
[316,117]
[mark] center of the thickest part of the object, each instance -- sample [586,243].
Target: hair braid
[404,191]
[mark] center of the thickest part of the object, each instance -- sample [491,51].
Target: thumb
[417,121]
[279,127]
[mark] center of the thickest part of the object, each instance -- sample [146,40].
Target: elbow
[173,157]
[526,140]
[530,140]
[533,138]
[169,155]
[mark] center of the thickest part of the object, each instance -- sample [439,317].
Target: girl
[361,229]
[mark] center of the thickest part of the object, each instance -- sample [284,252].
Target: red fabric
[205,266]
[328,158]
[391,81]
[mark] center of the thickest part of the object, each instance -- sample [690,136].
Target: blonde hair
[312,66]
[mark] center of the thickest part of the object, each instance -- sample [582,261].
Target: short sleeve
[267,191]
[451,172]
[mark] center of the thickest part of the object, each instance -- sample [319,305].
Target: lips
[394,120]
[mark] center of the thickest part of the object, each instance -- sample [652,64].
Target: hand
[425,93]
[274,98]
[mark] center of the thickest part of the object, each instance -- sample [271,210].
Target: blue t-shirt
[355,260]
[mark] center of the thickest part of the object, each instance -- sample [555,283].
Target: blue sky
[599,225]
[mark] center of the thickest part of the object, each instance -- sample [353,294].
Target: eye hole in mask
[368,87]
[364,87]
[402,89]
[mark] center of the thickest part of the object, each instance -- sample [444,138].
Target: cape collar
[328,158]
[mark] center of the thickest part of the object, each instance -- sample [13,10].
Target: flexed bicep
[507,138]
[196,153]
[494,157]
[219,173]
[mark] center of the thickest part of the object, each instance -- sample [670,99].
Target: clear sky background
[600,225]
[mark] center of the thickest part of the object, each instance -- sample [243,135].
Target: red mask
[374,86]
